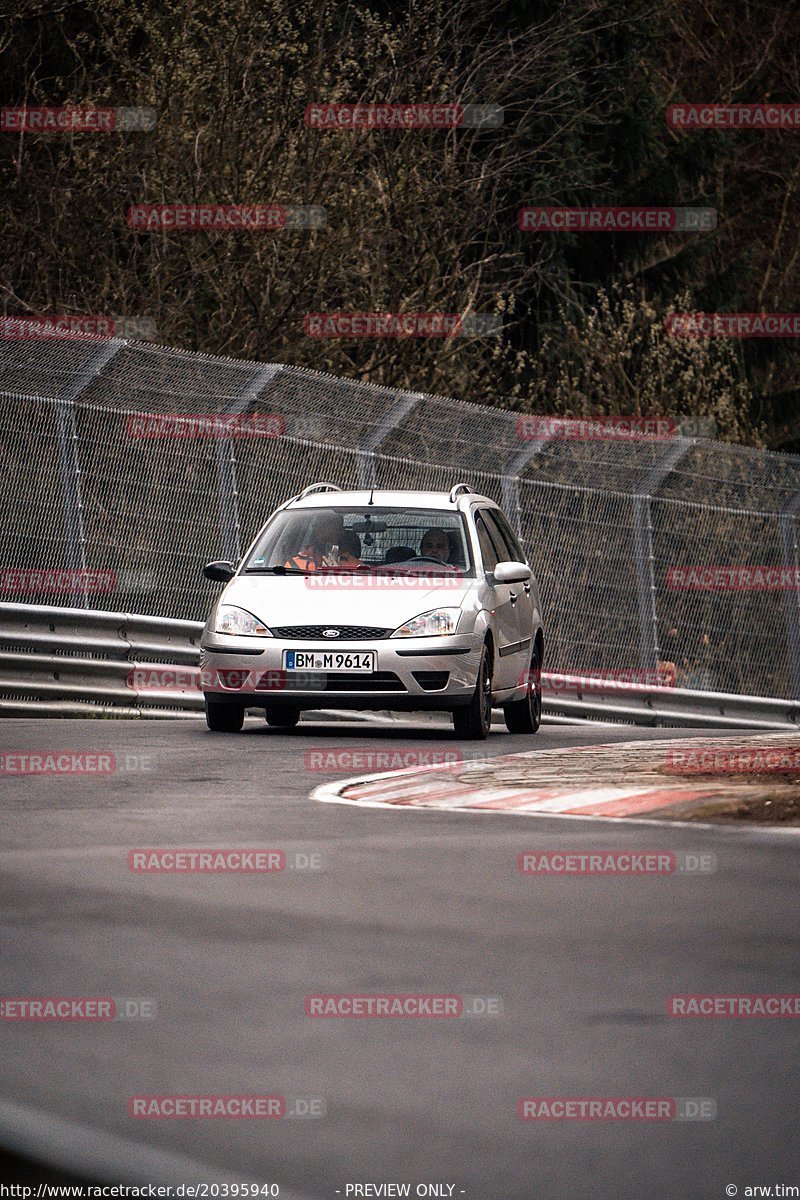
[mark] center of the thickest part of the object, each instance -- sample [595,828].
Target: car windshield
[385,540]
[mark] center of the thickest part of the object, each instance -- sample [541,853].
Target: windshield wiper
[276,570]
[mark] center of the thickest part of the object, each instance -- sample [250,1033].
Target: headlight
[239,622]
[436,623]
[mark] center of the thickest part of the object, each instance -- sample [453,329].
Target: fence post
[516,464]
[369,445]
[645,582]
[791,600]
[227,482]
[69,463]
[644,556]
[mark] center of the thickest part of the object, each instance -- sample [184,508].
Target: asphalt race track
[428,902]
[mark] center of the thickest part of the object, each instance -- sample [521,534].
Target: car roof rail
[318,487]
[460,487]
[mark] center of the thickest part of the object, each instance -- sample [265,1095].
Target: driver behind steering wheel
[435,544]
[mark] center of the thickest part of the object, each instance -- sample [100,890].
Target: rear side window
[500,527]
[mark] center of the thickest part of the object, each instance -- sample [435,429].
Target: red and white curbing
[435,787]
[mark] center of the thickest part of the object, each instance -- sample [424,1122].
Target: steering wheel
[428,558]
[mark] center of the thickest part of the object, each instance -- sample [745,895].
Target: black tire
[474,720]
[525,716]
[223,717]
[282,718]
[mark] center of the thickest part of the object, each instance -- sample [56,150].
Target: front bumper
[410,673]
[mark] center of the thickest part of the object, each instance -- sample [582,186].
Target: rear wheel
[282,718]
[222,717]
[474,721]
[525,716]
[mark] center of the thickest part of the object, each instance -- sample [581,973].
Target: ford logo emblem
[330,633]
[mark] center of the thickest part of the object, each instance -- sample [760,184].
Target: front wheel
[222,717]
[474,721]
[525,716]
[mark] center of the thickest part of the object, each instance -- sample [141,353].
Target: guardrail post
[70,467]
[368,446]
[791,598]
[227,482]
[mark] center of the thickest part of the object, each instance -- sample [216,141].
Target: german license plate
[330,660]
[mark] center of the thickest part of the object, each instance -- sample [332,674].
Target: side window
[505,551]
[517,553]
[488,552]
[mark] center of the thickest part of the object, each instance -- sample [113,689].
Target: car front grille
[279,681]
[349,681]
[351,633]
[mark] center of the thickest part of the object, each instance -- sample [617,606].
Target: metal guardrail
[79,662]
[583,697]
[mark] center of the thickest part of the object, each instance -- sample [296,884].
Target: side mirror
[511,572]
[219,572]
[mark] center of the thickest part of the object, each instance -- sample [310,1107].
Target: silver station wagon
[381,600]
